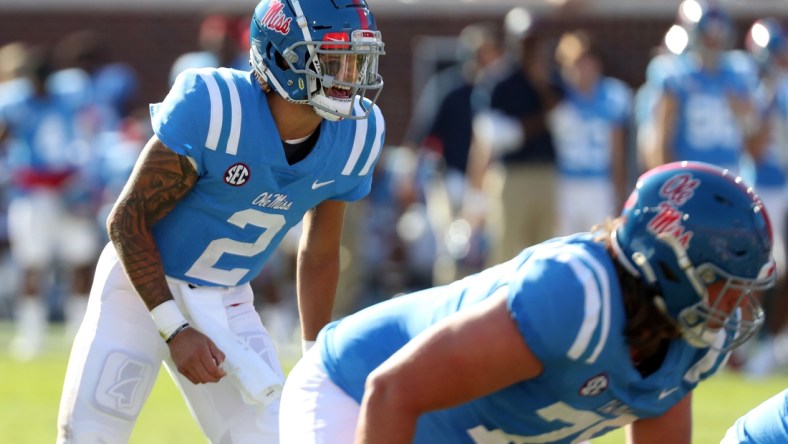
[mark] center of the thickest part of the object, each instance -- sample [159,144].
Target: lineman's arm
[674,426]
[466,356]
[161,178]
[318,265]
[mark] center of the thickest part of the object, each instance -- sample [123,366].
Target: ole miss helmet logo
[237,175]
[677,191]
[275,18]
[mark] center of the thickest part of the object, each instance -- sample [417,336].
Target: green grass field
[30,392]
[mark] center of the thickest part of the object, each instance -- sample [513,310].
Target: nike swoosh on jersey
[316,184]
[666,392]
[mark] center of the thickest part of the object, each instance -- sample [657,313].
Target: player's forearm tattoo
[158,183]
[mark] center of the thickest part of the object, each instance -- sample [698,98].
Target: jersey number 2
[205,266]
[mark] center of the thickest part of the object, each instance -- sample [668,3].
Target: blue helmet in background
[319,52]
[688,225]
[708,25]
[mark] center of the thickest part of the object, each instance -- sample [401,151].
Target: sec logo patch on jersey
[237,175]
[594,386]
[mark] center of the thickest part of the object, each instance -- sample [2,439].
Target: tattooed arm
[161,178]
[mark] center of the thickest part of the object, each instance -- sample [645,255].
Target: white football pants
[314,410]
[116,358]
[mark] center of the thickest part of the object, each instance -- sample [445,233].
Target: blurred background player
[704,112]
[590,130]
[441,131]
[50,224]
[767,59]
[598,330]
[513,146]
[223,42]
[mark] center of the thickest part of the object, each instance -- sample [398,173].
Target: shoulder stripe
[590,309]
[377,144]
[596,286]
[358,144]
[603,282]
[215,126]
[236,113]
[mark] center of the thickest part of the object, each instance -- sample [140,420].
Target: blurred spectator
[590,131]
[664,64]
[441,130]
[14,83]
[704,112]
[48,226]
[766,59]
[222,40]
[90,81]
[513,157]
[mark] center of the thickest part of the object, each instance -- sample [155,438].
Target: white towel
[249,372]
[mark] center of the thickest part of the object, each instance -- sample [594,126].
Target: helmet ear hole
[280,61]
[668,272]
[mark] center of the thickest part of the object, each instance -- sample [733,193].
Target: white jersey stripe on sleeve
[604,283]
[358,143]
[591,308]
[377,143]
[236,113]
[215,126]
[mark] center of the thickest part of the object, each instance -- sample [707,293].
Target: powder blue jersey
[42,128]
[707,129]
[566,300]
[248,196]
[583,125]
[765,424]
[772,104]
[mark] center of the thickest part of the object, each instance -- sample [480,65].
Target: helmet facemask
[340,71]
[701,322]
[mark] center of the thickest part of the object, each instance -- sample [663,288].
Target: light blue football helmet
[321,53]
[688,225]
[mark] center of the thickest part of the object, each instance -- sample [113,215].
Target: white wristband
[169,319]
[306,345]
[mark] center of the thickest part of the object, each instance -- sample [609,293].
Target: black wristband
[177,330]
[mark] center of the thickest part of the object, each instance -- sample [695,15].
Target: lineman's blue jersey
[248,196]
[566,300]
[707,129]
[765,424]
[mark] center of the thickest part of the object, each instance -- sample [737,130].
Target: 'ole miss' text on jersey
[248,196]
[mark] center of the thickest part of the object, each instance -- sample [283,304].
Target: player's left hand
[196,357]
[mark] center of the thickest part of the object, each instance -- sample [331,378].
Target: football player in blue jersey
[767,423]
[705,110]
[236,160]
[572,338]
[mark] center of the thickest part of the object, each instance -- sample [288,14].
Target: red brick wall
[150,42]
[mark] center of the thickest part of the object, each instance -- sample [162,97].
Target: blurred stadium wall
[150,34]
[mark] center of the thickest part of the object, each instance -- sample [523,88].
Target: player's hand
[196,356]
